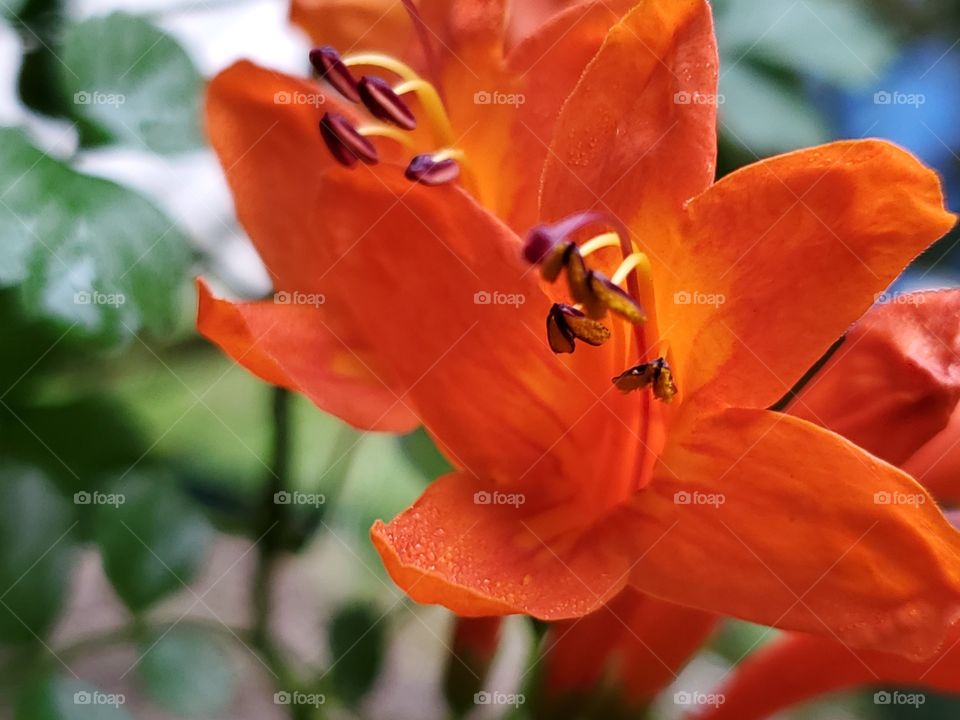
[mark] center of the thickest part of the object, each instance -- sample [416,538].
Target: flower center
[385,102]
[553,249]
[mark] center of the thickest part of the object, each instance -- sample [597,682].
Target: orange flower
[893,386]
[567,491]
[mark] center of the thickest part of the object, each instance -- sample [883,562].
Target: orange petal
[545,67]
[776,261]
[479,552]
[357,25]
[936,465]
[796,668]
[769,518]
[637,136]
[273,158]
[895,381]
[436,288]
[637,641]
[290,345]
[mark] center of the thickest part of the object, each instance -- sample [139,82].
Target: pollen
[656,375]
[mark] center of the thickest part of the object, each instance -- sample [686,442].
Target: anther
[610,296]
[656,375]
[565,324]
[329,66]
[384,104]
[345,142]
[543,239]
[433,169]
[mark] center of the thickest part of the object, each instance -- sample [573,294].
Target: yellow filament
[610,239]
[387,132]
[636,261]
[427,93]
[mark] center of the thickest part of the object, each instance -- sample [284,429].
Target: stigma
[385,103]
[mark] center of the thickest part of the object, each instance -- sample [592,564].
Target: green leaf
[130,82]
[152,539]
[423,454]
[35,552]
[58,698]
[87,254]
[187,672]
[764,116]
[833,40]
[357,639]
[39,24]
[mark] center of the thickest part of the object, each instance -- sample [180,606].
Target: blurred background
[178,539]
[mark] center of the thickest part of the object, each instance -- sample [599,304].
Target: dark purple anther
[326,61]
[424,169]
[344,142]
[540,240]
[384,104]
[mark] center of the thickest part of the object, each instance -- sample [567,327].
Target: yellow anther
[412,82]
[387,132]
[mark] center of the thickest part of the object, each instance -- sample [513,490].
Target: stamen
[384,104]
[565,324]
[426,92]
[387,132]
[436,169]
[329,66]
[635,261]
[610,239]
[656,374]
[345,143]
[611,297]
